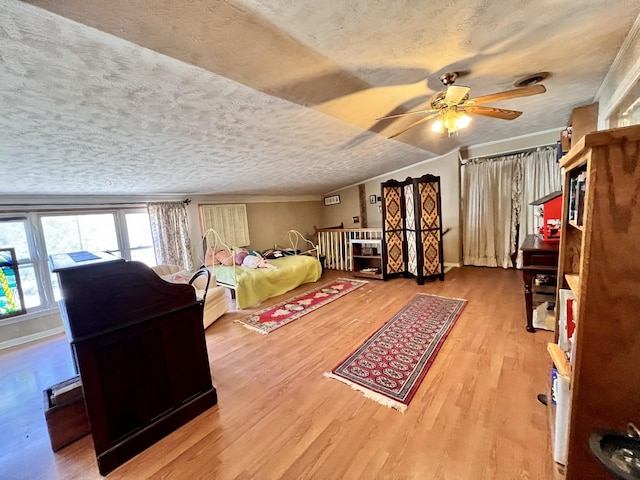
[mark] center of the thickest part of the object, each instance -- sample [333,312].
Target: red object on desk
[552,214]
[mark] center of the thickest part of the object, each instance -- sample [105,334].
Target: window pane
[13,234]
[140,240]
[144,255]
[29,286]
[72,233]
[139,230]
[57,294]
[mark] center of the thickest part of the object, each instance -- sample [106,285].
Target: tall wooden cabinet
[412,228]
[599,262]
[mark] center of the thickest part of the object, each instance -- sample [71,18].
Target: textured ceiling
[272,96]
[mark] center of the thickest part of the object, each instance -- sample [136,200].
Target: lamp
[451,120]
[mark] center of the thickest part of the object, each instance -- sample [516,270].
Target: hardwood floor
[475,416]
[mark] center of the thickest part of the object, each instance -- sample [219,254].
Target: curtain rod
[504,154]
[84,205]
[186,201]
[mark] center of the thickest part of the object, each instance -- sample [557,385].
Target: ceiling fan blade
[406,113]
[415,124]
[455,94]
[508,94]
[501,113]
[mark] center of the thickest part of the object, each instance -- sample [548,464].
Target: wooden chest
[65,413]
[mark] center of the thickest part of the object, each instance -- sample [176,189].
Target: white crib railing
[335,245]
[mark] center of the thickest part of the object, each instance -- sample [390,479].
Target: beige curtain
[488,213]
[540,177]
[170,232]
[496,195]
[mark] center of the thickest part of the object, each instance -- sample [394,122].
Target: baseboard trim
[14,342]
[449,265]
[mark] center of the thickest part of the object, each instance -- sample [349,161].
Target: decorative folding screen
[412,224]
[230,221]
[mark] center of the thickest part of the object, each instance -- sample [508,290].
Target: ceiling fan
[452,106]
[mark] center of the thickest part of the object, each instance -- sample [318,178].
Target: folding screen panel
[393,244]
[431,228]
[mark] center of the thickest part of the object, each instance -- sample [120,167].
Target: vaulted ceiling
[273,97]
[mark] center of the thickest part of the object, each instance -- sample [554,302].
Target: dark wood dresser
[538,257]
[140,350]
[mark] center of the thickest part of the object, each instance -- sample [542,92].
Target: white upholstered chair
[215,304]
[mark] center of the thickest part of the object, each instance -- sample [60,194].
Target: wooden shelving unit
[599,261]
[559,358]
[367,255]
[575,225]
[573,281]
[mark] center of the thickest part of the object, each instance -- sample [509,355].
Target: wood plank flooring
[475,416]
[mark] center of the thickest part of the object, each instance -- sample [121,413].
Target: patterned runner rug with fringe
[276,316]
[390,365]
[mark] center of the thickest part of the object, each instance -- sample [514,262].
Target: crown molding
[255,198]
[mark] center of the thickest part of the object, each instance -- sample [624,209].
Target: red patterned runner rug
[276,316]
[390,365]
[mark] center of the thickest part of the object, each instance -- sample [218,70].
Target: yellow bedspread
[257,284]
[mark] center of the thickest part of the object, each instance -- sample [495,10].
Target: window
[72,233]
[230,221]
[123,232]
[628,110]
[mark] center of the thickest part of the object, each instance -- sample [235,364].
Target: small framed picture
[332,200]
[372,199]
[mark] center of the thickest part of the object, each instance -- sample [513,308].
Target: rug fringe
[440,296]
[381,399]
[250,327]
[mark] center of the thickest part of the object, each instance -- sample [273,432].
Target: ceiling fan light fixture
[463,120]
[451,121]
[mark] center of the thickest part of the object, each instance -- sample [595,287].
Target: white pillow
[182,276]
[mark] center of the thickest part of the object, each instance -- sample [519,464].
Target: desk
[538,257]
[140,350]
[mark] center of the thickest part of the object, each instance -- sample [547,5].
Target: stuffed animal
[254,261]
